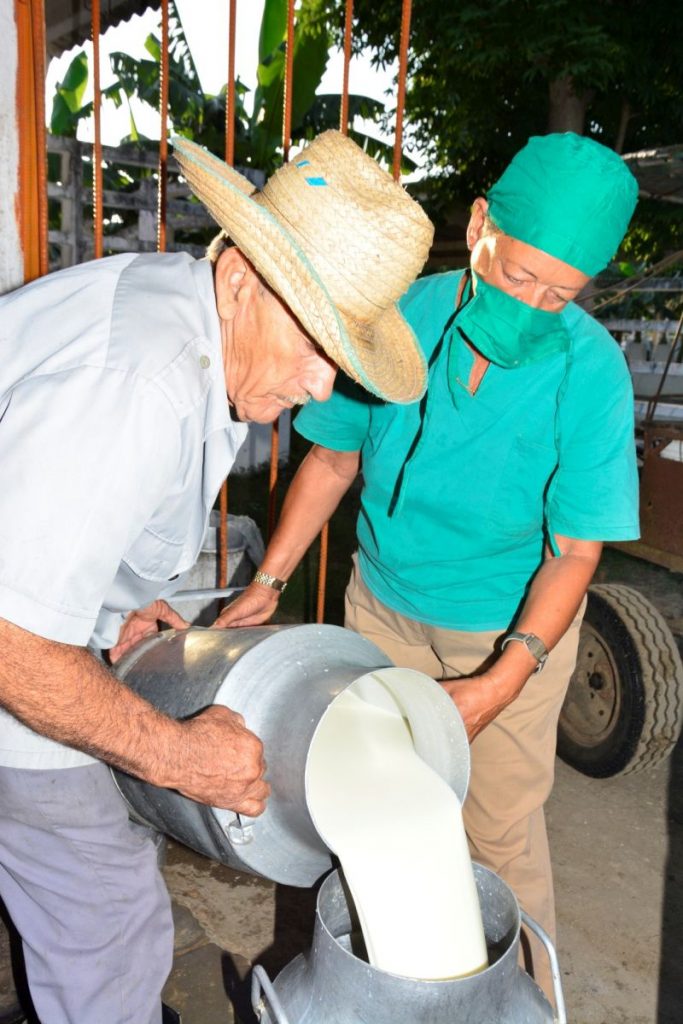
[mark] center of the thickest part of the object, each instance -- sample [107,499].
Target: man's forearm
[65,693]
[320,483]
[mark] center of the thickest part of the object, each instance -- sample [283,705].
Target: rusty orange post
[322,573]
[163,136]
[230,91]
[344,112]
[344,129]
[402,74]
[32,196]
[97,210]
[289,83]
[286,143]
[229,159]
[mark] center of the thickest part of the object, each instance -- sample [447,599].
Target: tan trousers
[513,758]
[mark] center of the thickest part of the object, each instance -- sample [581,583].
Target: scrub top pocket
[518,496]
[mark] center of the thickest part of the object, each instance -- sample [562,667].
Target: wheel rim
[593,701]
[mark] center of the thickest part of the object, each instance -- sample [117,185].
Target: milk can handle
[543,936]
[261,983]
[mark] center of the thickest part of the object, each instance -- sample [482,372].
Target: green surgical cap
[567,195]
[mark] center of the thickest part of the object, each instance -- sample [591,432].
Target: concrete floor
[617,848]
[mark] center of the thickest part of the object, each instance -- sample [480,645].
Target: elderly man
[484,507]
[125,387]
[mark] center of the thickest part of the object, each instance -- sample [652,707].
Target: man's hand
[255,605]
[478,699]
[221,762]
[142,623]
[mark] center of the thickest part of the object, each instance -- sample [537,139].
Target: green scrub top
[459,490]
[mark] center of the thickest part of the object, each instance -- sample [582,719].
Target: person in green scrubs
[485,505]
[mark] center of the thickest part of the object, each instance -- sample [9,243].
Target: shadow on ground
[670,998]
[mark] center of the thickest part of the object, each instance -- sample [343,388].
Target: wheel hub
[594,697]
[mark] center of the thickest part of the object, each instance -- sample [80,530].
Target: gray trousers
[84,891]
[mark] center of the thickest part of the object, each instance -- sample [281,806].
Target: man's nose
[320,381]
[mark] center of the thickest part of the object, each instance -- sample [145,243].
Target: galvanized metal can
[281,680]
[332,985]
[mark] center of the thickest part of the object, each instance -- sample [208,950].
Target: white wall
[11,259]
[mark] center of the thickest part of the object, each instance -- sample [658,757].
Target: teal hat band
[567,195]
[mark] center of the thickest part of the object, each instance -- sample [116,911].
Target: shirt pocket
[518,495]
[153,557]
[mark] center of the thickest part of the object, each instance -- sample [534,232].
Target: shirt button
[204,362]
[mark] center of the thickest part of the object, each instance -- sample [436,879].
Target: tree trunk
[624,119]
[567,108]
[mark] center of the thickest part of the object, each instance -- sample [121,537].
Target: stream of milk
[397,829]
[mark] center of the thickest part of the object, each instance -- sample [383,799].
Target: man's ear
[477,219]
[231,273]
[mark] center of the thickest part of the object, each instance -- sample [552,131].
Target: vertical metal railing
[344,129]
[32,204]
[348,35]
[97,209]
[229,159]
[286,144]
[402,75]
[162,185]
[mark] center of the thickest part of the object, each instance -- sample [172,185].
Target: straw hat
[339,241]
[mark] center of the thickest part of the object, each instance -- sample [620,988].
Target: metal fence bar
[32,197]
[163,136]
[38,31]
[286,143]
[402,74]
[344,112]
[344,129]
[97,211]
[289,83]
[229,159]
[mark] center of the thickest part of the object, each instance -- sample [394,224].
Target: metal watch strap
[269,581]
[533,644]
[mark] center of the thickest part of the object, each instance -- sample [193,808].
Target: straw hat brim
[383,355]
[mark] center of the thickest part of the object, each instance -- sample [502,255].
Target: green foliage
[68,109]
[67,105]
[485,75]
[200,116]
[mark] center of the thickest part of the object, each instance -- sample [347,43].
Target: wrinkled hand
[142,623]
[255,605]
[478,699]
[221,762]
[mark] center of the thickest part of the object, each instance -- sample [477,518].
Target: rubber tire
[636,723]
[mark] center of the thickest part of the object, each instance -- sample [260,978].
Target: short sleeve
[342,422]
[87,456]
[594,493]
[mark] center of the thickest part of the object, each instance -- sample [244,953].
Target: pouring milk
[397,829]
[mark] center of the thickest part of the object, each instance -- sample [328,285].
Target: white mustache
[294,399]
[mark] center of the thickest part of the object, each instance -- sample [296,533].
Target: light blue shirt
[460,490]
[115,436]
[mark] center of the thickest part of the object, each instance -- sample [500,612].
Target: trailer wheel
[624,706]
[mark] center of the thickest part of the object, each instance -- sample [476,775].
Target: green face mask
[509,332]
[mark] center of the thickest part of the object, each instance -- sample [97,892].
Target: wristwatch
[533,645]
[269,581]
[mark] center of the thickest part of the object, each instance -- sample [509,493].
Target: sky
[206,27]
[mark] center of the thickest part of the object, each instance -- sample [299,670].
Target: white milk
[397,829]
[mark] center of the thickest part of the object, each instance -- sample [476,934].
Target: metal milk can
[331,984]
[281,679]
